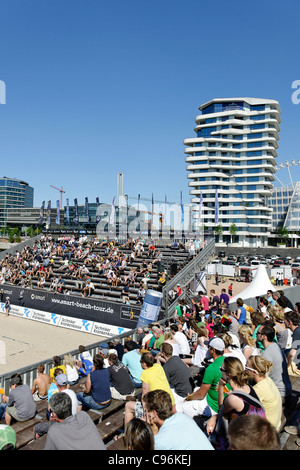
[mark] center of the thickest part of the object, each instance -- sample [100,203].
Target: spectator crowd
[207,379]
[71,265]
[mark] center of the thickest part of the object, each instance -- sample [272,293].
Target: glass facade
[232,167]
[285,202]
[13,193]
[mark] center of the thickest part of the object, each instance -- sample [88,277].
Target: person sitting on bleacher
[96,393]
[84,364]
[88,289]
[121,382]
[57,363]
[71,432]
[20,404]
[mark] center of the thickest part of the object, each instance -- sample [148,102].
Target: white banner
[84,326]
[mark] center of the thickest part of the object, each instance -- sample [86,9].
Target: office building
[13,193]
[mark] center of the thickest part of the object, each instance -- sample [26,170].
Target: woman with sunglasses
[240,400]
[257,368]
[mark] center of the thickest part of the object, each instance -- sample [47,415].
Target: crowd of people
[207,379]
[52,262]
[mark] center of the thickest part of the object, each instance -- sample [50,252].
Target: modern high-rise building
[234,153]
[13,193]
[285,202]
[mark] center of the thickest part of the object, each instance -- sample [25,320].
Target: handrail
[184,276]
[18,247]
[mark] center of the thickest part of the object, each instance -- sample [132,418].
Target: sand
[24,342]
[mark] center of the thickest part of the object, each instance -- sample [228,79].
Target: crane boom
[61,193]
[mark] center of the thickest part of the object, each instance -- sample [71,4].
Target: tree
[14,235]
[233,230]
[282,233]
[30,232]
[218,230]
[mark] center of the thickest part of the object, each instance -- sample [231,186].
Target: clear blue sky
[94,88]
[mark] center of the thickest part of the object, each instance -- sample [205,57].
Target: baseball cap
[104,351]
[217,343]
[61,379]
[7,436]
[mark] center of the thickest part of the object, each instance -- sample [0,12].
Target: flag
[57,212]
[87,212]
[41,213]
[113,211]
[182,211]
[165,208]
[76,218]
[97,213]
[200,209]
[138,206]
[68,211]
[48,214]
[152,210]
[216,208]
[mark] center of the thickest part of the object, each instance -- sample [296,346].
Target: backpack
[255,406]
[219,438]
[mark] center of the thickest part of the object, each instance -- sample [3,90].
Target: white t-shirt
[72,373]
[73,397]
[182,340]
[200,355]
[175,346]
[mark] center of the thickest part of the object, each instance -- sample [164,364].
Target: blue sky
[94,88]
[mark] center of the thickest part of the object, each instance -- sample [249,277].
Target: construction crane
[61,193]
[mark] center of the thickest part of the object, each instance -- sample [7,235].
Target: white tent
[258,287]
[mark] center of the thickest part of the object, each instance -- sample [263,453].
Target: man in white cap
[204,399]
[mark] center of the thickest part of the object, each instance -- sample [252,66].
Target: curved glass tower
[234,152]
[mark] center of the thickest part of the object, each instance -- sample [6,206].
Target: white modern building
[234,152]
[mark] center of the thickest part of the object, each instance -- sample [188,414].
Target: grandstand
[180,263]
[104,290]
[68,257]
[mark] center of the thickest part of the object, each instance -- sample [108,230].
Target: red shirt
[205,302]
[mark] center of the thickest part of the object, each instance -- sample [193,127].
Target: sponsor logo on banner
[127,313]
[76,324]
[20,311]
[38,297]
[107,330]
[45,317]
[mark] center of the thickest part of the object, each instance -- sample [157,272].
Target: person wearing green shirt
[158,340]
[204,399]
[179,311]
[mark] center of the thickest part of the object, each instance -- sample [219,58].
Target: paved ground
[24,342]
[225,282]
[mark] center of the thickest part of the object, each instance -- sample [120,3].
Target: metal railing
[185,276]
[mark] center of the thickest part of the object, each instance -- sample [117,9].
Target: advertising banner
[85,314]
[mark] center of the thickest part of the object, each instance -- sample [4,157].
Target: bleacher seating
[105,291]
[109,422]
